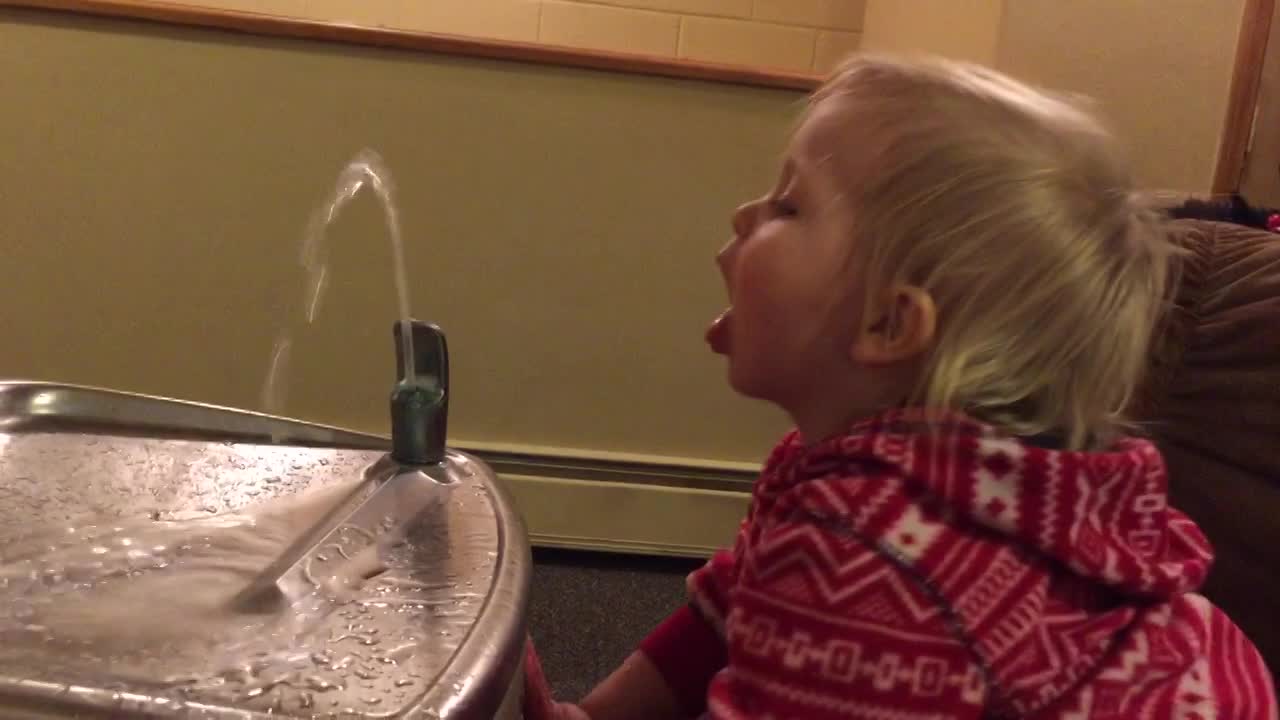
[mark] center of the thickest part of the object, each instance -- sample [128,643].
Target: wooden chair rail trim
[279,26]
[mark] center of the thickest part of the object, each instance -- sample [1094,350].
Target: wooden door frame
[1237,129]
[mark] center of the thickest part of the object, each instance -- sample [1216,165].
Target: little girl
[951,290]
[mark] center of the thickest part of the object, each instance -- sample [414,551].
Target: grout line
[680,36]
[813,53]
[683,15]
[538,33]
[689,13]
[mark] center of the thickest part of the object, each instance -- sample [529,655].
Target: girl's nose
[744,218]
[724,258]
[743,222]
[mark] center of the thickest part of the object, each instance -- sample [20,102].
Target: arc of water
[367,169]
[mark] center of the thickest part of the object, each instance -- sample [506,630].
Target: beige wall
[1160,70]
[561,226]
[794,35]
[960,29]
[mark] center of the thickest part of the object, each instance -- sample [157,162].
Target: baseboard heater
[626,506]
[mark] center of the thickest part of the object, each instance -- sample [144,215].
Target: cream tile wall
[805,36]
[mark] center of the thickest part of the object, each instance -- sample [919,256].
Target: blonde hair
[1013,208]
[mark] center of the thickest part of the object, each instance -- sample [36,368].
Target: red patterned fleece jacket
[907,571]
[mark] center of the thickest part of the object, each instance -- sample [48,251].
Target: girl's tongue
[718,335]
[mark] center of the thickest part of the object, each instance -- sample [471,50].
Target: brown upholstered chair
[1213,405]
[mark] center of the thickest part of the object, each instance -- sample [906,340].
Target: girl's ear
[897,329]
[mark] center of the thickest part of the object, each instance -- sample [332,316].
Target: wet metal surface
[443,641]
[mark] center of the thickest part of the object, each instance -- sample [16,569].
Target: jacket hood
[1103,515]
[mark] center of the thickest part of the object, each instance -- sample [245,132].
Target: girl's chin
[743,382]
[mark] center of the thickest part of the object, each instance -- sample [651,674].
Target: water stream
[367,169]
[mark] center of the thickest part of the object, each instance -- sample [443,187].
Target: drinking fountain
[444,641]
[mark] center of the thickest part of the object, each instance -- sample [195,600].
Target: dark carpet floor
[588,611]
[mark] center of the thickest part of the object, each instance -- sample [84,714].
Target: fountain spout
[420,399]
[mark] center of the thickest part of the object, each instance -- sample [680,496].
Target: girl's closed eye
[783,207]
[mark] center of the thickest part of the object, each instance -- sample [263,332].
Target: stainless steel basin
[68,452]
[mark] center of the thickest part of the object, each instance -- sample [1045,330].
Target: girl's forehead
[840,144]
[823,137]
[821,132]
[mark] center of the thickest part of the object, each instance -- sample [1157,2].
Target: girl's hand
[538,702]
